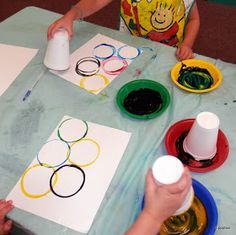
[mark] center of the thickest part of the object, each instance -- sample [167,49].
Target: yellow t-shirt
[158,20]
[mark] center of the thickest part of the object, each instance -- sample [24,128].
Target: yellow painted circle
[91,162]
[104,78]
[30,195]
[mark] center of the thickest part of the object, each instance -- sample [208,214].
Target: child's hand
[161,201]
[5,225]
[184,52]
[65,22]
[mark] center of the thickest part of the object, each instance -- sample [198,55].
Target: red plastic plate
[177,129]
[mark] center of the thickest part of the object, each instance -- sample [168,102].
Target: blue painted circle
[106,45]
[124,58]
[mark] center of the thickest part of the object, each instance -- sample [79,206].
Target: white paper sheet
[110,68]
[13,60]
[98,153]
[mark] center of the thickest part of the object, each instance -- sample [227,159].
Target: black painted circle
[66,196]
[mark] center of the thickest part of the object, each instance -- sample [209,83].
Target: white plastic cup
[57,56]
[168,170]
[201,141]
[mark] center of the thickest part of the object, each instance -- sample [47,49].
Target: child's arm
[184,50]
[5,225]
[161,201]
[82,9]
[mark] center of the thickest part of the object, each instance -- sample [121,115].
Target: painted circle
[94,83]
[38,176]
[66,178]
[60,150]
[104,51]
[87,66]
[128,52]
[114,65]
[72,130]
[84,146]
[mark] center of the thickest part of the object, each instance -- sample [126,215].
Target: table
[25,126]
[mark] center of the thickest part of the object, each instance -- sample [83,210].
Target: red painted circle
[178,128]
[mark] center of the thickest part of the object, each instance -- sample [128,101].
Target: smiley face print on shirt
[158,20]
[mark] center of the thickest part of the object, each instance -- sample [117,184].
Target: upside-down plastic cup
[201,141]
[168,170]
[57,56]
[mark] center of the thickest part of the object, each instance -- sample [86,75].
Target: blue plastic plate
[209,203]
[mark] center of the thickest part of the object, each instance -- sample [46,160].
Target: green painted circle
[138,84]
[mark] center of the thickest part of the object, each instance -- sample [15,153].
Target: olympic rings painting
[69,176]
[98,62]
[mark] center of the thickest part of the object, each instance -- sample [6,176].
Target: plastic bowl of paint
[143,99]
[174,146]
[197,76]
[209,203]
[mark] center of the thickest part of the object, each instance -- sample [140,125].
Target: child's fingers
[51,31]
[188,178]
[150,184]
[49,35]
[183,53]
[183,183]
[3,203]
[6,206]
[177,52]
[70,33]
[6,227]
